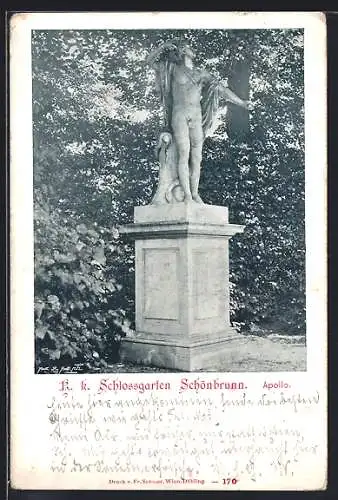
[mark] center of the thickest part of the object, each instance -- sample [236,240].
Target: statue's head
[185,54]
[187,51]
[178,50]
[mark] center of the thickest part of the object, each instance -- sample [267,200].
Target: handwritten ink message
[191,437]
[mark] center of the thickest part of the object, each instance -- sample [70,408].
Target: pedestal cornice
[179,229]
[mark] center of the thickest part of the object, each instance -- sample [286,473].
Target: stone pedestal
[182,286]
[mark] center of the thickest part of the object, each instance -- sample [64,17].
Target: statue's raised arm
[163,59]
[161,52]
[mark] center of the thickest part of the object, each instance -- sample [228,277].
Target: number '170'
[230,480]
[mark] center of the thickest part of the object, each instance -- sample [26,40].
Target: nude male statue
[190,97]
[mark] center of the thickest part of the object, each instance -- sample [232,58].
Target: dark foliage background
[96,119]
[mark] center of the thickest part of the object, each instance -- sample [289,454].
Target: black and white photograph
[168,251]
[169,216]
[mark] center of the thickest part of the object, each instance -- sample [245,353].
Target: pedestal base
[182,286]
[186,356]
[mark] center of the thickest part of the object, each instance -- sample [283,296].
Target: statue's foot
[188,199]
[197,198]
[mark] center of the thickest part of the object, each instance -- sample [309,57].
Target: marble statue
[190,98]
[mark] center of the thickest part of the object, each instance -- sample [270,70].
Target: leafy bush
[78,309]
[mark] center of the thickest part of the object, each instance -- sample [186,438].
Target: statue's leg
[196,141]
[181,135]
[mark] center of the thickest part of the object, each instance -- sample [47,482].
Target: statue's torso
[186,89]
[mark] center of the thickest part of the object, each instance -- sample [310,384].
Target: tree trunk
[237,117]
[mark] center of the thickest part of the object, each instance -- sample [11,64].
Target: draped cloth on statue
[209,104]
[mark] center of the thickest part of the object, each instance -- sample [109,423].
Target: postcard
[168,251]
